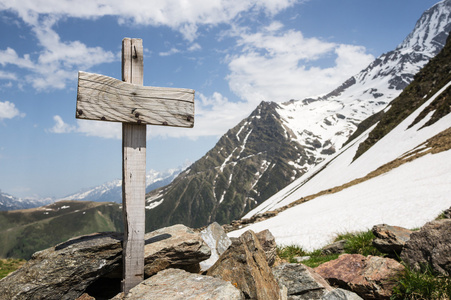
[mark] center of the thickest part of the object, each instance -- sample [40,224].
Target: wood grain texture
[104,98]
[133,195]
[133,176]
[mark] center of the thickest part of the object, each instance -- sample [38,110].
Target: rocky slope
[278,143]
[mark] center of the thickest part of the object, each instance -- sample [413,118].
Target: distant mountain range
[280,142]
[107,192]
[112,191]
[8,202]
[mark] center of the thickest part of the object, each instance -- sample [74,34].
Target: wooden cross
[107,99]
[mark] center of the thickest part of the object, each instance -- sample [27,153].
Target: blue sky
[233,53]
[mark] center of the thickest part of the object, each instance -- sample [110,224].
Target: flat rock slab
[176,284]
[370,277]
[176,246]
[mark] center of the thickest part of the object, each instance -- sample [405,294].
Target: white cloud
[170,52]
[7,75]
[60,126]
[274,65]
[58,61]
[181,15]
[108,130]
[214,115]
[194,47]
[8,111]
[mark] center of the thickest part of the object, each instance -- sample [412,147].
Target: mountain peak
[431,30]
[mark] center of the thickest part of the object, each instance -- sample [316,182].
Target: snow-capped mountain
[323,124]
[112,191]
[403,179]
[8,202]
[279,143]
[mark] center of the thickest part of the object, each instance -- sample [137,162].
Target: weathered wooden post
[107,99]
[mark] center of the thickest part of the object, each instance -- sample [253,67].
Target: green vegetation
[415,285]
[289,252]
[317,258]
[9,265]
[359,243]
[24,232]
[356,243]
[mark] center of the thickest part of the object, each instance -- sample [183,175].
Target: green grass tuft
[359,243]
[9,265]
[415,285]
[289,252]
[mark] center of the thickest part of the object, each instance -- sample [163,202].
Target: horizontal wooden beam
[104,98]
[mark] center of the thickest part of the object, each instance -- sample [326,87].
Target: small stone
[390,239]
[301,258]
[334,248]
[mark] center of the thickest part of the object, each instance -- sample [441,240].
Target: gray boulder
[430,246]
[176,246]
[341,294]
[244,265]
[218,241]
[66,270]
[176,284]
[301,282]
[268,243]
[390,239]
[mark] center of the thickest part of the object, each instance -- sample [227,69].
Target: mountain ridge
[403,178]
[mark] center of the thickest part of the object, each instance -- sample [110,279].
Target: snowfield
[408,196]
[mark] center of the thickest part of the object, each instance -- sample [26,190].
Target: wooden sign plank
[103,98]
